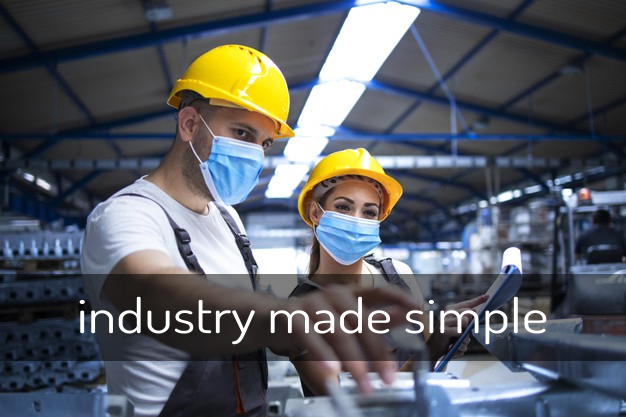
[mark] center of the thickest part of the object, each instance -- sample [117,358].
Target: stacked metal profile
[41,345]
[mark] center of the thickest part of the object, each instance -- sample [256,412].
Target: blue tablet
[501,291]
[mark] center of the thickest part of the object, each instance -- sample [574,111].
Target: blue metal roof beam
[608,107]
[439,181]
[407,138]
[484,42]
[51,140]
[52,71]
[522,29]
[423,199]
[51,68]
[464,60]
[379,86]
[391,89]
[77,186]
[263,42]
[343,133]
[97,129]
[165,68]
[556,74]
[203,30]
[289,15]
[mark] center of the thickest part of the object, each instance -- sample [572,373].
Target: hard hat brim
[392,190]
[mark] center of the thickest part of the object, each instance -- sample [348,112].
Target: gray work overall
[218,386]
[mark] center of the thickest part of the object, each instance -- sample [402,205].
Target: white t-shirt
[123,225]
[407,276]
[405,273]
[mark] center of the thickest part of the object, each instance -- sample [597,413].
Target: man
[157,238]
[602,243]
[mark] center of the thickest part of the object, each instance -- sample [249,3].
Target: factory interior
[503,121]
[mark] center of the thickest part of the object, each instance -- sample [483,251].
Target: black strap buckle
[182,236]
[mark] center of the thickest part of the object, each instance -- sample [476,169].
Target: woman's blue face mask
[232,169]
[347,239]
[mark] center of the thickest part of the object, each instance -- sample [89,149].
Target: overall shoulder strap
[390,273]
[182,237]
[243,243]
[303,289]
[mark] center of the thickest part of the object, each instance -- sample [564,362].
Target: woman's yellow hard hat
[242,76]
[350,162]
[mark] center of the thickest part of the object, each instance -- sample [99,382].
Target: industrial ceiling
[479,97]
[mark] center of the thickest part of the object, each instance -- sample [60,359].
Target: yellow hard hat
[350,162]
[242,76]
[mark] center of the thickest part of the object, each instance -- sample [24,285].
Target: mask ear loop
[207,126]
[194,152]
[313,224]
[210,131]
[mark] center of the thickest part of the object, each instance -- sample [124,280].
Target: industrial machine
[574,375]
[596,292]
[567,374]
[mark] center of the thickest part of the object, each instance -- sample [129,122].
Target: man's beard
[192,174]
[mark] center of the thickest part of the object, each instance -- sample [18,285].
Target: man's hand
[334,348]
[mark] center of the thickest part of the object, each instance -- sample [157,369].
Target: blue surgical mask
[233,168]
[346,238]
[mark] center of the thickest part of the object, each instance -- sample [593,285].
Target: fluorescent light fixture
[505,196]
[157,10]
[28,176]
[305,148]
[308,143]
[329,103]
[448,245]
[366,39]
[532,189]
[459,254]
[563,180]
[325,131]
[43,184]
[285,180]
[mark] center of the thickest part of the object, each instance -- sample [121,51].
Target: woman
[344,200]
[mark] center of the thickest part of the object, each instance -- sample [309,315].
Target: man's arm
[150,275]
[162,286]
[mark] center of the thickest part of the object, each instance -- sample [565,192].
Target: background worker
[344,200]
[601,243]
[172,239]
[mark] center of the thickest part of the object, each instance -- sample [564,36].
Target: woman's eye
[371,213]
[342,207]
[267,144]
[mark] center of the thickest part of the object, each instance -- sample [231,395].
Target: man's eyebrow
[247,127]
[251,129]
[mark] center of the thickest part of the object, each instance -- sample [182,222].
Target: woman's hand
[453,326]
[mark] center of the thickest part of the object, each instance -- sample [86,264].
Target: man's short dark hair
[602,216]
